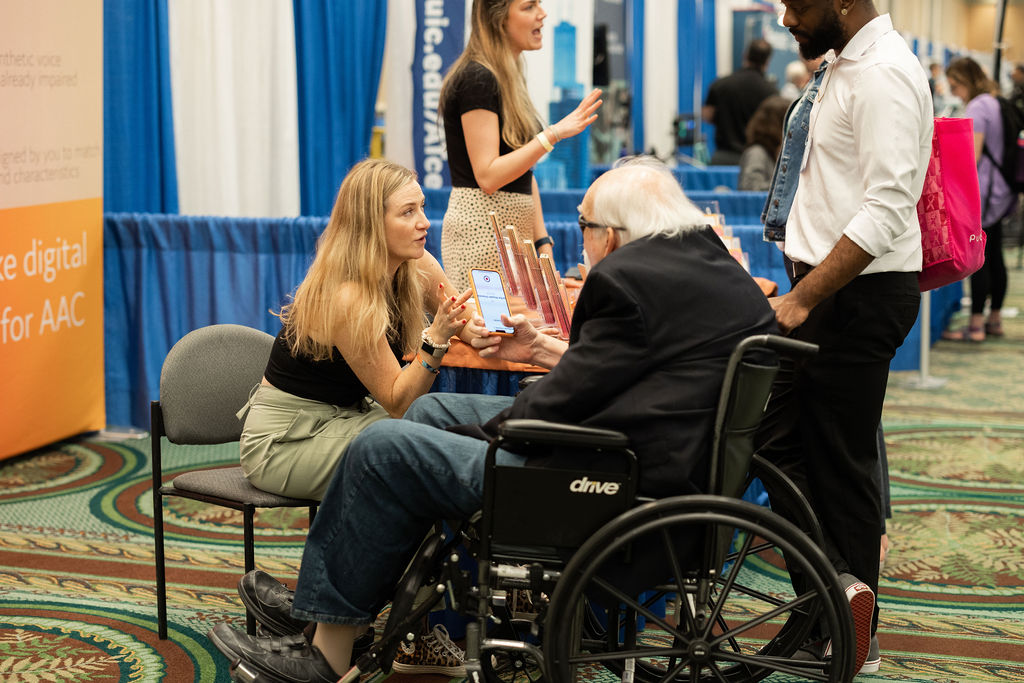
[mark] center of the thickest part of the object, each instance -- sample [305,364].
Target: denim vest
[787,168]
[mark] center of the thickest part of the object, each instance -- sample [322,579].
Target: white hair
[641,195]
[797,72]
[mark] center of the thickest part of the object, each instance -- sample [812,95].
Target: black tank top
[328,381]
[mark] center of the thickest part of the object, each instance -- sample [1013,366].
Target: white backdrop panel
[235,107]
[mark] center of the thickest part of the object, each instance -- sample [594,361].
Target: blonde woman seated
[336,366]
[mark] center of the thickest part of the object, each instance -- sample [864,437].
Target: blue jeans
[397,478]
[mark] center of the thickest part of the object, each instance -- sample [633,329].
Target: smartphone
[491,301]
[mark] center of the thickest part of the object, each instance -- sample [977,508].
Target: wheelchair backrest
[740,411]
[746,389]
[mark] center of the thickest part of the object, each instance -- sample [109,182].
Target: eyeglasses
[584,224]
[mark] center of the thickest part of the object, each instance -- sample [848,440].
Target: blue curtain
[696,50]
[166,275]
[635,65]
[339,52]
[138,128]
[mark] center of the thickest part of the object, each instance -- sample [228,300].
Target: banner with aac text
[51,222]
[440,37]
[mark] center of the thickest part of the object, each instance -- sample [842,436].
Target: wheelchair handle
[793,347]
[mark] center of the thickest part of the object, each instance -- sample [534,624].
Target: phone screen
[490,299]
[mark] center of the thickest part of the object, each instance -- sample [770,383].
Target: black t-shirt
[328,381]
[735,98]
[475,87]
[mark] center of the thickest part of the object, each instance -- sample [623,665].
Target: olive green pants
[291,446]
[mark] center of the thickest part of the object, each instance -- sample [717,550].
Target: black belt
[796,269]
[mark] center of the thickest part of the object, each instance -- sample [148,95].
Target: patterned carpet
[77,598]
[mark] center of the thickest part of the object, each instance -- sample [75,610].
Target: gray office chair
[206,377]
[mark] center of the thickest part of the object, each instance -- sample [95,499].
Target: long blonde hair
[488,45]
[353,249]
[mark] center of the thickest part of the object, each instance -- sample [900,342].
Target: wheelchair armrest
[558,434]
[528,380]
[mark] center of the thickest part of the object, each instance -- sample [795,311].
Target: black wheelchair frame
[705,612]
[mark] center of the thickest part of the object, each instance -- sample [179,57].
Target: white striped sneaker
[874,661]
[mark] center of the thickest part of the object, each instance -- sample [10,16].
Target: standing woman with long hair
[335,367]
[495,136]
[968,81]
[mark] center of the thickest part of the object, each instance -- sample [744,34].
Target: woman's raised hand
[580,117]
[450,317]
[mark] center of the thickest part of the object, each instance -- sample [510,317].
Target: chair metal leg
[158,558]
[250,560]
[156,429]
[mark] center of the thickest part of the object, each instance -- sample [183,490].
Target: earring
[843,11]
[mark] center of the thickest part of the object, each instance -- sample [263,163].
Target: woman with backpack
[968,81]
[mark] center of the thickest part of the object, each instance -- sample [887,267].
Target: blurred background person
[733,99]
[969,82]
[797,78]
[764,140]
[1017,92]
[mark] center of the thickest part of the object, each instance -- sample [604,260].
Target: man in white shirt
[853,248]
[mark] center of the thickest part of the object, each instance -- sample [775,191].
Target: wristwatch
[430,347]
[435,351]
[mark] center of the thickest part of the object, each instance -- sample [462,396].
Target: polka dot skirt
[467,239]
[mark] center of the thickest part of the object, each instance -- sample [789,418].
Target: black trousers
[822,420]
[990,280]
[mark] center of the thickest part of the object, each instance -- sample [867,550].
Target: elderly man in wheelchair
[611,485]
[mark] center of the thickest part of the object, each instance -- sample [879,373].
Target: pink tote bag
[949,211]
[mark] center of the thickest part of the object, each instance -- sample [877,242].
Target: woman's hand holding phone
[450,317]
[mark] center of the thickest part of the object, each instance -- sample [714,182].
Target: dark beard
[830,34]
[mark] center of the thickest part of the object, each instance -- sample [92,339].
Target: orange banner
[51,323]
[51,223]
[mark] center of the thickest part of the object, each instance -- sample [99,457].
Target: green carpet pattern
[77,595]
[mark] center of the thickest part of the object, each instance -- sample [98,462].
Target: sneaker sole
[870,667]
[862,605]
[453,671]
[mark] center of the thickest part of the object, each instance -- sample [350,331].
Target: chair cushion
[230,483]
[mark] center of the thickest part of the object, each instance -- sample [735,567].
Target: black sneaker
[270,601]
[288,658]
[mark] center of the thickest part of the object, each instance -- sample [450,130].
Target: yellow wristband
[544,142]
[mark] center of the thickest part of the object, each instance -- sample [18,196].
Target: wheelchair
[696,588]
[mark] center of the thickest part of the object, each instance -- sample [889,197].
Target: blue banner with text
[440,37]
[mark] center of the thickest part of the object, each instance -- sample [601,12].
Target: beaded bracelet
[432,370]
[427,340]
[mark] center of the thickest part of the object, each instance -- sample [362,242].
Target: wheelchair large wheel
[722,623]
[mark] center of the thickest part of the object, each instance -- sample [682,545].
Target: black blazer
[652,331]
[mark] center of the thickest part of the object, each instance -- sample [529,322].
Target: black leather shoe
[270,601]
[288,658]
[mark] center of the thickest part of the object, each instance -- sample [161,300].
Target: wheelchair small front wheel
[727,616]
[510,664]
